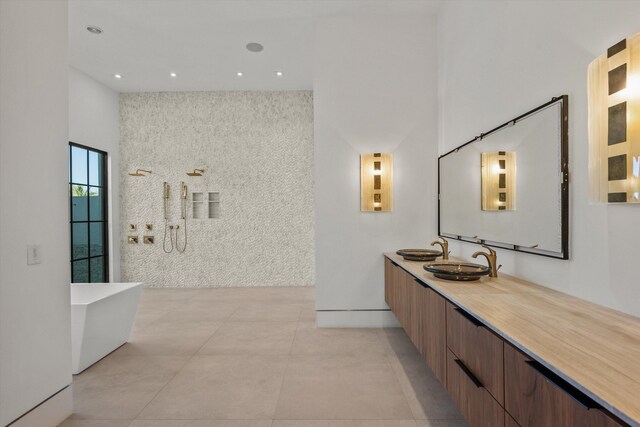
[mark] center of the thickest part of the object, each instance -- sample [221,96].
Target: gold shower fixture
[196,172]
[138,172]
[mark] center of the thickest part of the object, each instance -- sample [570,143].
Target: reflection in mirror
[509,187]
[498,181]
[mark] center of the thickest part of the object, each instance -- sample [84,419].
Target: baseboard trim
[49,413]
[369,318]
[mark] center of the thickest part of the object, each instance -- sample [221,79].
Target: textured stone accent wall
[257,150]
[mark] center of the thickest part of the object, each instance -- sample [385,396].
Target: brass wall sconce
[376,182]
[498,181]
[614,128]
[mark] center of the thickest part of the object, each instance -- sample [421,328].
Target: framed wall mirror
[509,187]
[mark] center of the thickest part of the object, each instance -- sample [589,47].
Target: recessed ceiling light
[173,75]
[239,74]
[279,73]
[255,47]
[117,76]
[94,30]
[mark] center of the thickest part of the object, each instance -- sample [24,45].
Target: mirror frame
[564,186]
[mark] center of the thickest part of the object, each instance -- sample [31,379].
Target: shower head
[196,172]
[138,172]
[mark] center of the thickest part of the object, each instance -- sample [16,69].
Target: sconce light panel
[376,182]
[498,181]
[614,128]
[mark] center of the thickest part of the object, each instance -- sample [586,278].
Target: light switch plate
[34,254]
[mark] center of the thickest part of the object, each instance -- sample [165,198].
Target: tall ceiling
[204,41]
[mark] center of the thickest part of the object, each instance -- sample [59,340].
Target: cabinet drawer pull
[468,373]
[421,283]
[469,317]
[581,398]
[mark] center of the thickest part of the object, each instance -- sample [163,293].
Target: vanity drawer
[475,403]
[480,349]
[434,341]
[535,397]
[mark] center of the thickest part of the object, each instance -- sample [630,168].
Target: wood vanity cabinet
[492,383]
[535,397]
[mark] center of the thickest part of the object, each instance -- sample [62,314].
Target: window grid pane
[88,207]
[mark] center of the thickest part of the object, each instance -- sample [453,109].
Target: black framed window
[88,214]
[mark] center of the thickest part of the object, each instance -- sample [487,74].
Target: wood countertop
[594,348]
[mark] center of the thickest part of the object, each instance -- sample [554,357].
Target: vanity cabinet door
[434,344]
[399,295]
[475,403]
[417,300]
[479,348]
[388,282]
[403,298]
[535,397]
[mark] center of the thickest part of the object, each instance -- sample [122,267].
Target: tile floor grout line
[406,398]
[177,372]
[284,374]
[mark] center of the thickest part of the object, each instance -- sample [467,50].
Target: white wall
[374,91]
[35,347]
[94,122]
[498,59]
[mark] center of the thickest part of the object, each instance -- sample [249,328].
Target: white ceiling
[203,41]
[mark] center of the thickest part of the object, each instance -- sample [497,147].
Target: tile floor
[252,357]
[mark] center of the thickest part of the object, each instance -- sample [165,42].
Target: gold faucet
[444,245]
[491,260]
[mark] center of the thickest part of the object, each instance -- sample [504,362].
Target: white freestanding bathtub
[102,316]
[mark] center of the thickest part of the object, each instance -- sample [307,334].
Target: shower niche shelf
[205,205]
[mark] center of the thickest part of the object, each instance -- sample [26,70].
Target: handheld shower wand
[183,213]
[165,201]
